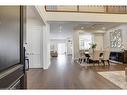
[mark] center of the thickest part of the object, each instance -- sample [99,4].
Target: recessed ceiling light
[103,28]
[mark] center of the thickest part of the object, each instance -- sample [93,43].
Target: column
[75,43]
[46,46]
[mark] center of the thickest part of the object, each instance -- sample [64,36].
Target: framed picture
[116,38]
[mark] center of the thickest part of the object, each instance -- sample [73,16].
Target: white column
[69,45]
[75,43]
[46,46]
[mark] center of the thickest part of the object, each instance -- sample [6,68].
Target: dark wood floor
[63,74]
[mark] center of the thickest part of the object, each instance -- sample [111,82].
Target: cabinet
[12,78]
[125,56]
[119,56]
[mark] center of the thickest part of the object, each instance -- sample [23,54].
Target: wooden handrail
[107,10]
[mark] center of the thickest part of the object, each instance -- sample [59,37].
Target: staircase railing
[88,9]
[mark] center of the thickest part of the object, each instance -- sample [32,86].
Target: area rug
[116,77]
[85,64]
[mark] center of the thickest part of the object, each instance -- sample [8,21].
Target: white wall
[124,37]
[98,39]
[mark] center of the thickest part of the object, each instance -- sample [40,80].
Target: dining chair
[105,57]
[94,58]
[82,56]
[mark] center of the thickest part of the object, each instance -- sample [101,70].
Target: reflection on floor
[63,74]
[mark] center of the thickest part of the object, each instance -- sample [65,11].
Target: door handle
[29,53]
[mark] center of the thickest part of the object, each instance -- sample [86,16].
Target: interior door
[34,46]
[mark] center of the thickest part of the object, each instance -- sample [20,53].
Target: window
[84,41]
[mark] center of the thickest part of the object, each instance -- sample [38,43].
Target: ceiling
[96,26]
[90,26]
[65,28]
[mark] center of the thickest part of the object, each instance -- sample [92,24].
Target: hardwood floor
[63,74]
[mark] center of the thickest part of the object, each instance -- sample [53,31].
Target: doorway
[34,31]
[61,48]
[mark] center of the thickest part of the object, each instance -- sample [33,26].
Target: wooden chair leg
[93,63]
[103,62]
[108,62]
[98,62]
[79,60]
[82,61]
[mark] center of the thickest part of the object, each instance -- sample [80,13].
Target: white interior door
[34,46]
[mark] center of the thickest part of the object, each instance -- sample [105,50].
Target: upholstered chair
[95,57]
[106,56]
[82,56]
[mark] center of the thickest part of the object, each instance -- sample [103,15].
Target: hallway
[63,74]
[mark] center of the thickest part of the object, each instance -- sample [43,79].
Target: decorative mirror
[116,38]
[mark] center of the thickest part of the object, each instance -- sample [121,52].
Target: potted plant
[93,46]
